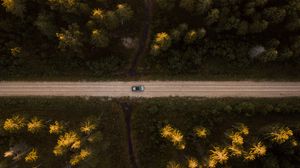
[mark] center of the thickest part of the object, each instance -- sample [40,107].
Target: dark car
[139,88]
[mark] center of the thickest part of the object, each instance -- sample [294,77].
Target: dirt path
[127,113]
[152,89]
[144,39]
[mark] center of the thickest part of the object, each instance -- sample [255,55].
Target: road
[152,89]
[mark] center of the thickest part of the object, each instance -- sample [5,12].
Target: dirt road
[152,89]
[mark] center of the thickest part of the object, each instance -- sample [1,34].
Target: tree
[201,33]
[274,14]
[174,135]
[213,16]
[243,28]
[256,150]
[32,156]
[70,38]
[166,4]
[188,5]
[45,25]
[218,155]
[14,124]
[99,38]
[258,26]
[201,132]
[68,140]
[280,134]
[88,126]
[163,40]
[35,125]
[173,164]
[203,6]
[193,163]
[16,7]
[64,5]
[16,51]
[268,55]
[111,20]
[98,14]
[56,128]
[190,37]
[124,12]
[75,159]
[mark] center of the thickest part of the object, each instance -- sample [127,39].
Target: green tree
[111,20]
[274,14]
[190,36]
[166,4]
[124,12]
[258,26]
[99,38]
[203,6]
[201,33]
[243,28]
[213,16]
[268,55]
[188,5]
[64,5]
[70,38]
[45,25]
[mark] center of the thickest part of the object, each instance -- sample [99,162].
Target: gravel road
[152,89]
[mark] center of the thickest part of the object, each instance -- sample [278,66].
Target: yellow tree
[68,140]
[32,156]
[35,125]
[173,135]
[97,14]
[15,51]
[163,40]
[75,159]
[56,128]
[193,163]
[281,134]
[236,138]
[241,128]
[16,7]
[257,150]
[173,164]
[235,150]
[14,124]
[89,125]
[201,132]
[218,155]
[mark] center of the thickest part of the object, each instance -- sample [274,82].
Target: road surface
[152,89]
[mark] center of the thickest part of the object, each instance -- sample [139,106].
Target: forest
[189,39]
[54,38]
[165,132]
[225,39]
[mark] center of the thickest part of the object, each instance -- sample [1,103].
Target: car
[138,88]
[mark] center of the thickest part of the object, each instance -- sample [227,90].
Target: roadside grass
[217,115]
[113,148]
